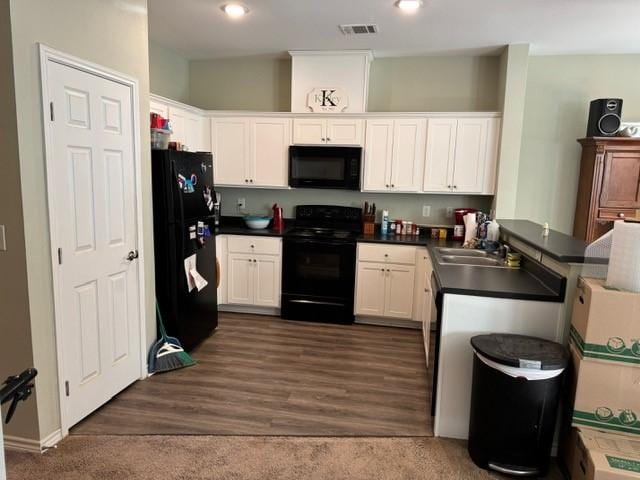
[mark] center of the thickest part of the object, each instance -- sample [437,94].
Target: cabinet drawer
[403,254]
[257,245]
[616,213]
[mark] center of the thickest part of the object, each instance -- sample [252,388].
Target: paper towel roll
[624,263]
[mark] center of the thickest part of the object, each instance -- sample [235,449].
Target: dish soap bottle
[384,226]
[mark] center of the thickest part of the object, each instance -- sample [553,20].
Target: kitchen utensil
[278,218]
[257,222]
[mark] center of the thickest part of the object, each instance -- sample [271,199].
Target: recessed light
[409,6]
[235,10]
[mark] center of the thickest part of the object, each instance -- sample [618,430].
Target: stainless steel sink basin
[465,256]
[462,252]
[471,260]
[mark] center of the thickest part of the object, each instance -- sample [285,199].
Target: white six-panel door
[91,170]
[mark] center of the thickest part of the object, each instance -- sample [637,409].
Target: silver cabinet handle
[132,255]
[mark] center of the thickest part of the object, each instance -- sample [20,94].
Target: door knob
[132,255]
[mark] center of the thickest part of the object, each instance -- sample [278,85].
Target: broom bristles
[174,361]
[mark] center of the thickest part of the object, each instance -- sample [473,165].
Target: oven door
[318,268]
[324,167]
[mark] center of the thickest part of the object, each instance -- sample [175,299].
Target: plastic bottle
[493,231]
[384,226]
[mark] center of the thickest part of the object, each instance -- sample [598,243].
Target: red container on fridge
[458,229]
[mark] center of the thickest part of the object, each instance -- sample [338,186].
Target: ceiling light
[409,6]
[235,10]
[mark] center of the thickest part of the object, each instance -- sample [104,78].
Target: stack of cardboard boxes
[604,443]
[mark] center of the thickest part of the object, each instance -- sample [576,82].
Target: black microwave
[324,167]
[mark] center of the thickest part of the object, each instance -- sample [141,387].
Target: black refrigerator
[183,225]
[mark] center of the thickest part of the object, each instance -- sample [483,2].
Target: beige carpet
[246,458]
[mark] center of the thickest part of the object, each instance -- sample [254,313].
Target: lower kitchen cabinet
[422,304]
[254,268]
[385,286]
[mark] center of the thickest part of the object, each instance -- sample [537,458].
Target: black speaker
[605,117]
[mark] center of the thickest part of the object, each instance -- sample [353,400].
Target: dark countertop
[532,281]
[560,247]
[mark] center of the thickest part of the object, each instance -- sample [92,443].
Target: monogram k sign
[321,100]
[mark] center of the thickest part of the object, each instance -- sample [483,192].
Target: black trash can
[514,402]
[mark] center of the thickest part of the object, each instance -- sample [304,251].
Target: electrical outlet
[426,210]
[241,203]
[449,212]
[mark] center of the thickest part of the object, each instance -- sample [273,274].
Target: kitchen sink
[464,256]
[463,252]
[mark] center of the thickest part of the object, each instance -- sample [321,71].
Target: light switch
[426,210]
[3,239]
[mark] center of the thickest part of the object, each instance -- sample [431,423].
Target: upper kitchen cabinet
[327,131]
[251,151]
[609,185]
[394,155]
[461,155]
[189,125]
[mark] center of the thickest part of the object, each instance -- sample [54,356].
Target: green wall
[559,89]
[405,206]
[432,84]
[168,73]
[260,83]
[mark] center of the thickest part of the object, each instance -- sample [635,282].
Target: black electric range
[319,264]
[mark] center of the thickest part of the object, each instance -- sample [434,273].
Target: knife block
[368,224]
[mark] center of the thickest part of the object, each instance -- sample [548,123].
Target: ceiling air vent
[359,29]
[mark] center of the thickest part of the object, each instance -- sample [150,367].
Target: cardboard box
[606,395]
[604,456]
[605,323]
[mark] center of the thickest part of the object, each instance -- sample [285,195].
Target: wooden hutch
[609,187]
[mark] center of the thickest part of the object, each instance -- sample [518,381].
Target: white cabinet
[189,125]
[461,155]
[161,109]
[394,154]
[269,151]
[327,131]
[251,151]
[178,118]
[422,302]
[254,271]
[230,147]
[385,281]
[221,258]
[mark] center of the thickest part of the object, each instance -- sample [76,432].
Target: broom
[167,353]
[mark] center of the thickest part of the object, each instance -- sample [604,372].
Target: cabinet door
[159,108]
[471,152]
[441,147]
[346,131]
[378,153]
[230,147]
[370,289]
[399,291]
[240,283]
[193,132]
[266,280]
[408,154]
[491,158]
[270,140]
[309,131]
[621,182]
[178,119]
[221,257]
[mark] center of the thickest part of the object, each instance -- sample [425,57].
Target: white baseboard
[249,309]
[389,322]
[28,445]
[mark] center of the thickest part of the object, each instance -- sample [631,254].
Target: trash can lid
[521,351]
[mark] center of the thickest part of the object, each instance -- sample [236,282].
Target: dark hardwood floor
[260,375]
